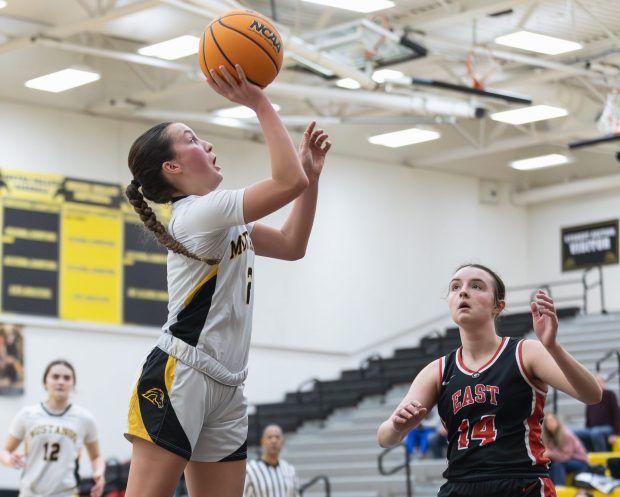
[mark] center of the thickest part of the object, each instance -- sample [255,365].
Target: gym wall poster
[75,250]
[588,245]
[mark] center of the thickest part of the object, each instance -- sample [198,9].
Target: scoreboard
[76,250]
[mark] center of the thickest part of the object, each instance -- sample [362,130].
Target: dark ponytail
[146,156]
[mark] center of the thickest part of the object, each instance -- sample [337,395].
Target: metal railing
[316,479]
[318,386]
[594,284]
[609,354]
[404,465]
[579,296]
[374,363]
[432,347]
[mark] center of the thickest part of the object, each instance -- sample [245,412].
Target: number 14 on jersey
[484,430]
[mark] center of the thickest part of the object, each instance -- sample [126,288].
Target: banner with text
[590,245]
[76,250]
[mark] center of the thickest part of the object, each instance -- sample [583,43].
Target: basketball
[246,38]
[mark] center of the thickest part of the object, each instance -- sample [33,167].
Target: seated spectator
[418,438]
[565,450]
[602,421]
[438,441]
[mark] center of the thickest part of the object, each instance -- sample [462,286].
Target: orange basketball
[246,38]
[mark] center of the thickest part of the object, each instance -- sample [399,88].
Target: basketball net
[480,66]
[609,122]
[371,52]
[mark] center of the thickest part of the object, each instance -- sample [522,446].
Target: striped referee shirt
[269,480]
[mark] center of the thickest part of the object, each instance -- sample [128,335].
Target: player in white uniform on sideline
[53,433]
[187,412]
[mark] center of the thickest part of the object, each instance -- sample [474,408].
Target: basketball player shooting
[188,412]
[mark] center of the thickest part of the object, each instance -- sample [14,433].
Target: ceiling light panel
[540,162]
[173,49]
[59,81]
[364,6]
[404,137]
[529,114]
[534,42]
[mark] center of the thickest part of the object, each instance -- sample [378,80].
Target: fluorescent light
[175,48]
[404,137]
[535,42]
[62,80]
[539,162]
[240,112]
[382,75]
[529,114]
[364,6]
[3,4]
[349,83]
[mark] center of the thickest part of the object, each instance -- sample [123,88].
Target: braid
[148,217]
[146,156]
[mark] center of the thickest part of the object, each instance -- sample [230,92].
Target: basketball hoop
[609,122]
[480,66]
[371,53]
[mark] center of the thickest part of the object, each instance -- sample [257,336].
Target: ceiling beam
[563,133]
[468,11]
[90,24]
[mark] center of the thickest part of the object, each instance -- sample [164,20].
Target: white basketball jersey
[52,445]
[210,305]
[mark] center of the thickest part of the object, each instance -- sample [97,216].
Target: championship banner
[76,250]
[590,245]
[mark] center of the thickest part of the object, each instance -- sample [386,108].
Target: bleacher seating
[376,378]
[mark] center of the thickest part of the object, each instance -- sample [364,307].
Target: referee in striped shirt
[271,476]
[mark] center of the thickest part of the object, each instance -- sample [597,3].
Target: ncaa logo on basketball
[155,396]
[267,33]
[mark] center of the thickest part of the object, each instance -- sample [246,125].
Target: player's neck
[54,404]
[273,460]
[479,345]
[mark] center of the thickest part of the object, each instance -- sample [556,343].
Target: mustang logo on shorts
[155,396]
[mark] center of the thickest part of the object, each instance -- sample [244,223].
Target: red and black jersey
[493,417]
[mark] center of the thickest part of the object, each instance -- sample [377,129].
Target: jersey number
[51,452]
[484,430]
[249,289]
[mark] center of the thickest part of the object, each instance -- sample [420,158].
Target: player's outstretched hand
[241,92]
[544,319]
[408,416]
[312,151]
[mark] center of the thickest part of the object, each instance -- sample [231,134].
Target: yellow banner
[90,264]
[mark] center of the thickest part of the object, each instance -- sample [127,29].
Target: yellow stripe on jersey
[135,424]
[169,374]
[210,275]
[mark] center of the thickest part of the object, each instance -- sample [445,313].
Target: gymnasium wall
[385,243]
[545,222]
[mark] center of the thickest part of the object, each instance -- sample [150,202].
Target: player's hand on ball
[241,92]
[312,151]
[408,416]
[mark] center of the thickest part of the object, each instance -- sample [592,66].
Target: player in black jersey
[491,392]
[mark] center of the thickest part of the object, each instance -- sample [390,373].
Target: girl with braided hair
[188,412]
